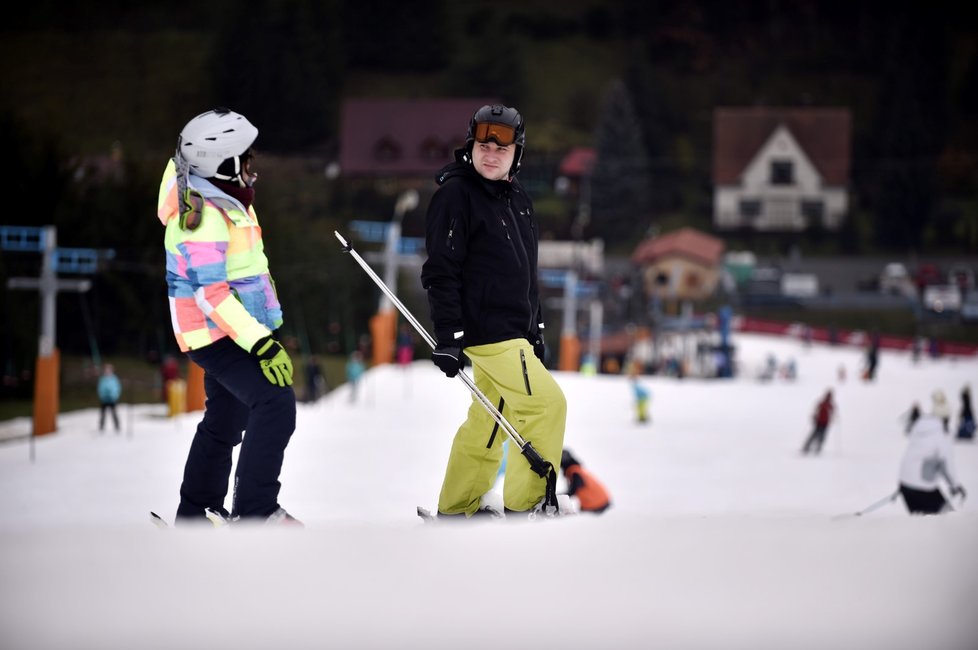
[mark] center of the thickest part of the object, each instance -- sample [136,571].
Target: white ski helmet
[212,137]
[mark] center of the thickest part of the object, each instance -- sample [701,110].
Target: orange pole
[46,393]
[570,353]
[195,387]
[383,325]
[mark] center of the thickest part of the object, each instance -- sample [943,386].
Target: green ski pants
[528,396]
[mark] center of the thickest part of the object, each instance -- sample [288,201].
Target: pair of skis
[431,518]
[215,518]
[566,507]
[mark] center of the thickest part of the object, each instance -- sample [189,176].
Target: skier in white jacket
[928,458]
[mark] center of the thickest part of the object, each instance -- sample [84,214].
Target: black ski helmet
[567,459]
[513,130]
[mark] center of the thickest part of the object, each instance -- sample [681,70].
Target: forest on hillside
[92,96]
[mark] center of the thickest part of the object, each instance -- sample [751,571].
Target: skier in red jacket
[823,417]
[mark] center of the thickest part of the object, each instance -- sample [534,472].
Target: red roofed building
[684,264]
[781,169]
[402,137]
[578,162]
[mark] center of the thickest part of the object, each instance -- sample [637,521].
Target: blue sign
[411,246]
[371,231]
[22,238]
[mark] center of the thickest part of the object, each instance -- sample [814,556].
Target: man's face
[492,161]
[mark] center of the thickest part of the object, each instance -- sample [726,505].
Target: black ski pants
[110,407]
[815,440]
[923,502]
[239,399]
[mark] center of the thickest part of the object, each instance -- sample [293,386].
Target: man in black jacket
[481,279]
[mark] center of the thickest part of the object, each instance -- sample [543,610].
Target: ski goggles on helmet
[192,209]
[502,134]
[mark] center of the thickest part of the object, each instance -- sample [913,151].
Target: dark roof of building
[685,242]
[403,136]
[823,133]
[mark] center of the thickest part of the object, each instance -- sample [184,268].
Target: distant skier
[405,346]
[966,419]
[315,380]
[824,412]
[642,399]
[941,409]
[589,492]
[109,390]
[927,459]
[789,371]
[872,358]
[354,373]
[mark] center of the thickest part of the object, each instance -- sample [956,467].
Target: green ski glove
[274,361]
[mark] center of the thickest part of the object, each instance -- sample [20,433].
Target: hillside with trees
[92,97]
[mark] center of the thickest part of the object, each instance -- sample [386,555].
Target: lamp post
[383,325]
[406,201]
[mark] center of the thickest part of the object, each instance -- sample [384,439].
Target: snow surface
[721,535]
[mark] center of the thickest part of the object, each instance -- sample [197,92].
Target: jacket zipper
[519,234]
[451,232]
[526,253]
[512,244]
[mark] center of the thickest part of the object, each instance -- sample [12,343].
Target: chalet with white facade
[781,169]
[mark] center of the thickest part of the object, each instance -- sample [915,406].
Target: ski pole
[537,463]
[874,506]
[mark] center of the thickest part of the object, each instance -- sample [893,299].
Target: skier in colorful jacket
[224,312]
[481,279]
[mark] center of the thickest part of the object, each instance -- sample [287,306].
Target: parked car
[895,280]
[799,285]
[942,298]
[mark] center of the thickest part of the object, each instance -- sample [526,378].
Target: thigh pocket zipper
[526,377]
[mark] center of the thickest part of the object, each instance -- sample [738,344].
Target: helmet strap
[233,169]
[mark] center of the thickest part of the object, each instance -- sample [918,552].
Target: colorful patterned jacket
[217,274]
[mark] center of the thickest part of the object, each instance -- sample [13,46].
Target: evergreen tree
[398,36]
[620,185]
[482,71]
[912,118]
[279,62]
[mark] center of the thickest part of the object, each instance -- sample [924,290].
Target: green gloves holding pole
[274,361]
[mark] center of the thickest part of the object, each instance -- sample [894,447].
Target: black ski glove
[958,491]
[540,348]
[448,358]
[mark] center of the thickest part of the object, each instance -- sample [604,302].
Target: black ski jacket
[481,271]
